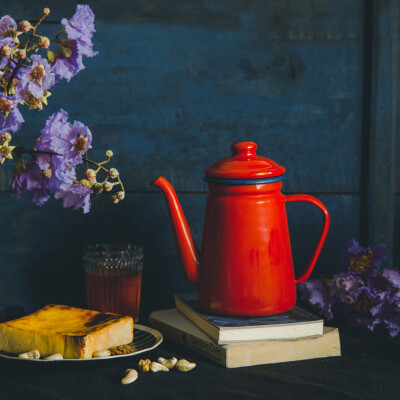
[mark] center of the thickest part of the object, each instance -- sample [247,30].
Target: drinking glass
[113,274]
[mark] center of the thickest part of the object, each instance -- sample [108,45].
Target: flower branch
[26,79]
[362,294]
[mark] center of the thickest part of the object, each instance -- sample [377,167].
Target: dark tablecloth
[368,369]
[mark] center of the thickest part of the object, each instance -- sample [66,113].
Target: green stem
[95,163]
[33,47]
[120,182]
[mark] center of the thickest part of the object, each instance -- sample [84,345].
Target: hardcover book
[292,325]
[175,326]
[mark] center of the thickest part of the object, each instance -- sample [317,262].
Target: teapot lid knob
[244,149]
[245,164]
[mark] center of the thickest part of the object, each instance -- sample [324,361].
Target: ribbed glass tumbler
[113,275]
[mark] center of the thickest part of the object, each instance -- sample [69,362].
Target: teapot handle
[310,199]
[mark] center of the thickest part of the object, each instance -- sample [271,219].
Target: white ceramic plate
[144,339]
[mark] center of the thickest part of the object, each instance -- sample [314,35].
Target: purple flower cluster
[362,294]
[55,173]
[35,79]
[26,79]
[52,171]
[33,181]
[79,30]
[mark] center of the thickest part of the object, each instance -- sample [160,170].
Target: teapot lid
[245,164]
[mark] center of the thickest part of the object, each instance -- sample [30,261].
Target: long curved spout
[185,246]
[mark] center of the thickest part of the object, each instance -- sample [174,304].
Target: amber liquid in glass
[116,294]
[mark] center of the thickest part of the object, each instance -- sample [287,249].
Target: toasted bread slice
[73,332]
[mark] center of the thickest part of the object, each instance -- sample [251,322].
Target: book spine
[197,319]
[199,345]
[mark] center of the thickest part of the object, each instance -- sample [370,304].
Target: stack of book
[238,342]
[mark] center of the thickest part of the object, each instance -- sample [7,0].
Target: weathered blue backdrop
[175,83]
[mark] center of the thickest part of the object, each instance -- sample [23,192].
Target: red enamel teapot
[245,267]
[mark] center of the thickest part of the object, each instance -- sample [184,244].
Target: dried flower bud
[5,50]
[114,199]
[44,42]
[107,186]
[90,174]
[113,173]
[46,11]
[21,53]
[6,105]
[120,195]
[5,136]
[97,188]
[109,153]
[85,182]
[51,56]
[25,26]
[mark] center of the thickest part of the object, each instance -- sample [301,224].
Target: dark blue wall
[174,85]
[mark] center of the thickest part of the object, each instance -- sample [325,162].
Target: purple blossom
[76,196]
[81,28]
[347,286]
[316,292]
[73,141]
[3,62]
[56,173]
[362,259]
[63,171]
[371,301]
[53,126]
[392,277]
[67,67]
[61,137]
[361,294]
[37,77]
[10,117]
[63,175]
[31,180]
[8,27]
[392,323]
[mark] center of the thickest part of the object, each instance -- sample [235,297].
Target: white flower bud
[97,188]
[114,199]
[85,182]
[44,42]
[109,153]
[120,195]
[25,26]
[113,173]
[46,11]
[5,50]
[107,186]
[90,174]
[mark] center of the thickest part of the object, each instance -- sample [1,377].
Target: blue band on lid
[237,182]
